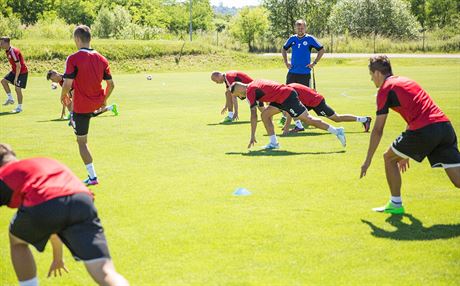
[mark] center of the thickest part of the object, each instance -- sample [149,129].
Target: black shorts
[323,109]
[22,79]
[73,218]
[292,105]
[298,78]
[436,141]
[80,123]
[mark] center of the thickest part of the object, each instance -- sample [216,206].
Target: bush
[11,27]
[49,27]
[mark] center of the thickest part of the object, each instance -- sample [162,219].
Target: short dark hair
[50,73]
[5,39]
[82,32]
[380,63]
[5,151]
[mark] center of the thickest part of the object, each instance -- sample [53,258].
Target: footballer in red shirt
[58,78]
[231,103]
[85,70]
[53,204]
[313,100]
[280,97]
[429,132]
[17,76]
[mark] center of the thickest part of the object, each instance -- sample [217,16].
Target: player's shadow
[275,153]
[52,120]
[233,123]
[6,113]
[413,230]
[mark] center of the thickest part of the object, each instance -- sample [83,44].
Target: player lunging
[17,76]
[280,97]
[429,132]
[53,205]
[88,69]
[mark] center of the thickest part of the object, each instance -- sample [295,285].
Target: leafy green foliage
[249,24]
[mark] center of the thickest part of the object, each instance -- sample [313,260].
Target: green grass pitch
[167,172]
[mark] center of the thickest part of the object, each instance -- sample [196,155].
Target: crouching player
[57,77]
[231,103]
[52,205]
[280,97]
[429,132]
[313,100]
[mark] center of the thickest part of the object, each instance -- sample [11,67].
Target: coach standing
[300,67]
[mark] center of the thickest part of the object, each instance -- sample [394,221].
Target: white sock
[19,105]
[273,139]
[91,171]
[361,119]
[110,107]
[230,114]
[30,282]
[9,95]
[298,124]
[332,129]
[397,201]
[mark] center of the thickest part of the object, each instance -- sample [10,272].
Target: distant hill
[222,10]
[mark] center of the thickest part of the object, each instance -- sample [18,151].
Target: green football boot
[390,208]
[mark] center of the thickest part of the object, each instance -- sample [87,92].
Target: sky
[235,3]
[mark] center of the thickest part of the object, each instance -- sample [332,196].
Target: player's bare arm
[108,90]
[287,124]
[317,59]
[285,58]
[58,262]
[376,136]
[18,72]
[66,87]
[253,126]
[235,108]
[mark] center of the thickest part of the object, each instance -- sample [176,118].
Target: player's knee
[388,157]
[4,81]
[456,182]
[81,140]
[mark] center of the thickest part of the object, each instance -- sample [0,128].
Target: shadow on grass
[280,153]
[53,120]
[414,230]
[233,123]
[7,113]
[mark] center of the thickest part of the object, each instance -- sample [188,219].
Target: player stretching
[56,77]
[231,103]
[280,97]
[87,68]
[429,132]
[17,76]
[53,205]
[313,100]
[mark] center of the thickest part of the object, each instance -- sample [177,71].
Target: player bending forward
[280,97]
[58,78]
[53,205]
[313,100]
[429,132]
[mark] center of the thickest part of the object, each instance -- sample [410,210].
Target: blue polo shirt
[301,51]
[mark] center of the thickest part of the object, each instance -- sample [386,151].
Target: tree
[249,24]
[283,14]
[390,18]
[29,10]
[78,11]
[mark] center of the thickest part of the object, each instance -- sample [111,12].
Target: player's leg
[454,175]
[267,119]
[320,124]
[104,273]
[229,103]
[23,261]
[6,86]
[81,127]
[20,97]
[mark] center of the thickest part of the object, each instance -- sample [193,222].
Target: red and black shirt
[232,76]
[88,69]
[267,91]
[14,56]
[308,96]
[34,181]
[408,98]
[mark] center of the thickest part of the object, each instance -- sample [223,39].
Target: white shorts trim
[445,166]
[400,154]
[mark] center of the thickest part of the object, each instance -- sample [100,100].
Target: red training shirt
[408,98]
[87,68]
[308,96]
[232,76]
[14,56]
[34,181]
[267,91]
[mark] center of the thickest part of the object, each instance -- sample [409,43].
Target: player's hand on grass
[222,112]
[251,142]
[235,116]
[403,165]
[56,266]
[364,168]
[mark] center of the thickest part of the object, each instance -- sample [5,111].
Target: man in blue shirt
[301,65]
